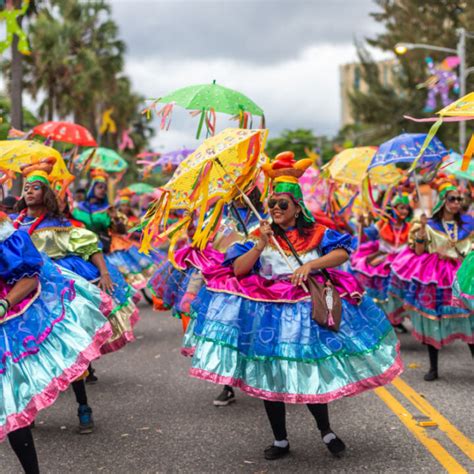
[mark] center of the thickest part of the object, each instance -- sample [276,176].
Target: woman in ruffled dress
[372,261]
[111,226]
[51,327]
[76,250]
[252,323]
[423,275]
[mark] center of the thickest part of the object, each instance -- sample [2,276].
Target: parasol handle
[417,187]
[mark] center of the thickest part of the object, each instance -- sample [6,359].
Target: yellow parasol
[459,110]
[15,153]
[463,107]
[211,176]
[350,167]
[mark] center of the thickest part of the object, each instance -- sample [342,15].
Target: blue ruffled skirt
[134,266]
[48,345]
[276,351]
[123,316]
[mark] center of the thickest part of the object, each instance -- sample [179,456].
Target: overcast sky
[283,54]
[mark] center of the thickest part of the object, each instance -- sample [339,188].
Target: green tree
[29,119]
[298,141]
[381,107]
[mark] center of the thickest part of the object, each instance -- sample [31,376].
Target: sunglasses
[454,199]
[282,204]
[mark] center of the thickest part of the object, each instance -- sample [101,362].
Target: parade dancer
[423,275]
[76,249]
[51,328]
[372,261]
[111,226]
[252,323]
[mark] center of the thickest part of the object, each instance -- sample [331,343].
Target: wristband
[5,304]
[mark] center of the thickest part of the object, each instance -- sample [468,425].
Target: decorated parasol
[141,188]
[173,158]
[205,100]
[204,182]
[103,158]
[455,167]
[405,148]
[458,111]
[352,165]
[67,132]
[15,153]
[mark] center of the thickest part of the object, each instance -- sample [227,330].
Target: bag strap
[298,258]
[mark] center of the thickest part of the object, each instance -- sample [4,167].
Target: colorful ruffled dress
[71,247]
[136,267]
[421,285]
[372,262]
[463,287]
[48,340]
[256,332]
[174,289]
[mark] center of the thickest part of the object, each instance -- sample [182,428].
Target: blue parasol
[405,148]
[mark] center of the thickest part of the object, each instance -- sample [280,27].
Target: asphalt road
[152,417]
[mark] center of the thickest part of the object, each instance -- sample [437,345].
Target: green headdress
[443,189]
[285,171]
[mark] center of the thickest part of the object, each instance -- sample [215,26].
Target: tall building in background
[351,80]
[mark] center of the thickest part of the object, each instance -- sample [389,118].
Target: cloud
[255,31]
[302,92]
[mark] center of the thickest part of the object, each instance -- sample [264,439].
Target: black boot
[432,374]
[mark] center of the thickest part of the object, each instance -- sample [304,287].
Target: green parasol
[206,100]
[104,158]
[141,188]
[455,168]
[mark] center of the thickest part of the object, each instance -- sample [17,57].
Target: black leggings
[79,388]
[277,417]
[22,443]
[433,354]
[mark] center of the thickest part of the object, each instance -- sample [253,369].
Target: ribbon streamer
[108,123]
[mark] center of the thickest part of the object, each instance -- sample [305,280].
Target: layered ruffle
[276,351]
[463,286]
[120,309]
[136,268]
[47,347]
[219,277]
[374,278]
[436,320]
[426,268]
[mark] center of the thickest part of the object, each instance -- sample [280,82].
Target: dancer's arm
[105,283]
[21,289]
[244,264]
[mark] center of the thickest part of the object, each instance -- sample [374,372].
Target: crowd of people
[289,306]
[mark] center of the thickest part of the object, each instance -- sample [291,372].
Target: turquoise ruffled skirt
[275,351]
[48,344]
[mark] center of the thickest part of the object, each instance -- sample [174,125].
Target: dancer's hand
[300,275]
[422,231]
[106,284]
[266,233]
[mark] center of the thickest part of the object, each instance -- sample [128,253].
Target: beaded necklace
[34,223]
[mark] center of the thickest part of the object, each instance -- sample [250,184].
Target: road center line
[432,445]
[458,438]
